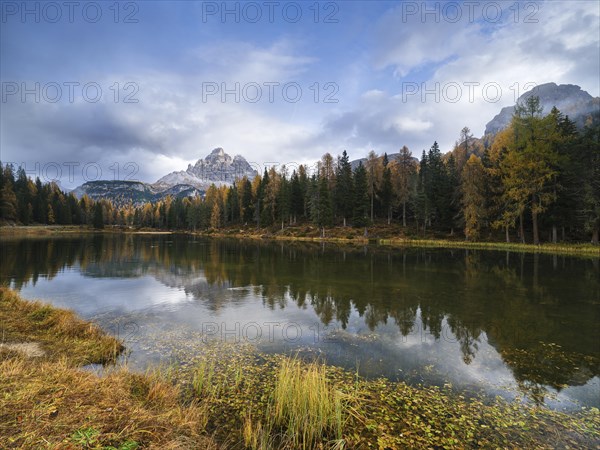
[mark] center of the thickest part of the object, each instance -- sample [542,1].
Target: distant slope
[136,192]
[570,99]
[216,168]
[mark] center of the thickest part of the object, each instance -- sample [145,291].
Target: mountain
[124,191]
[136,192]
[217,168]
[391,157]
[570,99]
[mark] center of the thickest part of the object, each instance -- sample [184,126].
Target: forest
[537,180]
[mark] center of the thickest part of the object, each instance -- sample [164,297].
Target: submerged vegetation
[231,396]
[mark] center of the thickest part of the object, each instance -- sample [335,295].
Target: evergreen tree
[360,216]
[589,208]
[403,170]
[438,189]
[98,222]
[386,191]
[24,195]
[296,197]
[284,198]
[324,213]
[473,190]
[566,183]
[422,206]
[232,205]
[8,199]
[247,206]
[344,188]
[373,167]
[454,194]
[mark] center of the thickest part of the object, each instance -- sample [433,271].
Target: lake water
[498,323]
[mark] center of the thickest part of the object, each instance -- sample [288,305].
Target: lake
[490,322]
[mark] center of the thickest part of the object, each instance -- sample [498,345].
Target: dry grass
[47,402]
[58,332]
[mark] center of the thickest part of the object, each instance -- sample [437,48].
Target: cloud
[174,124]
[490,64]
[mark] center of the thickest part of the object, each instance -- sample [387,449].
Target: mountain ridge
[570,99]
[216,168]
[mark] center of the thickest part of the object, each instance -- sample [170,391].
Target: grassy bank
[230,396]
[47,401]
[386,235]
[396,236]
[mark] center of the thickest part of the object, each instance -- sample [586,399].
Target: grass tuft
[306,407]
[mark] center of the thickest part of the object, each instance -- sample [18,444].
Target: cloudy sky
[135,90]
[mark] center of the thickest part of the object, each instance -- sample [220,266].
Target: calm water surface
[492,322]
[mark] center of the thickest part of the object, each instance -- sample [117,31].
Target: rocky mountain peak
[570,99]
[217,156]
[217,167]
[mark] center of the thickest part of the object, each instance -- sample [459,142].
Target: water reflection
[538,312]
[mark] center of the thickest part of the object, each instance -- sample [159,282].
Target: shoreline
[333,235]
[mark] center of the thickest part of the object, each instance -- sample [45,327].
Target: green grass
[306,407]
[564,249]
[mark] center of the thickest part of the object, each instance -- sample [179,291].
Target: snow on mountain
[217,168]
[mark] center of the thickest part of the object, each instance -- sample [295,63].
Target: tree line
[538,179]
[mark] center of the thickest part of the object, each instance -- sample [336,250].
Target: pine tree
[98,222]
[473,202]
[373,169]
[324,214]
[590,180]
[454,194]
[284,198]
[344,188]
[386,191]
[360,216]
[24,195]
[246,206]
[422,206]
[437,188]
[566,184]
[403,172]
[296,197]
[8,199]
